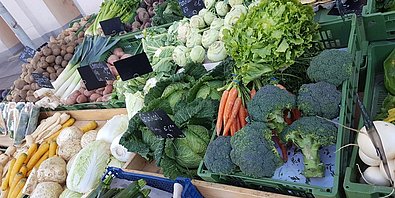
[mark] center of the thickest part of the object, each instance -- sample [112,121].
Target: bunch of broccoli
[217,158]
[310,134]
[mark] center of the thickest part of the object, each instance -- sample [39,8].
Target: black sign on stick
[89,79]
[27,53]
[191,7]
[112,26]
[42,80]
[101,71]
[133,66]
[161,124]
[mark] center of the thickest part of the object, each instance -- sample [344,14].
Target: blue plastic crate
[189,190]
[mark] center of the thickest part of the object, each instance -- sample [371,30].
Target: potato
[112,59]
[82,99]
[31,99]
[42,59]
[106,98]
[23,93]
[94,97]
[17,98]
[107,90]
[64,63]
[35,60]
[43,64]
[26,87]
[56,67]
[63,52]
[52,76]
[99,99]
[88,93]
[9,98]
[70,49]
[81,34]
[51,70]
[58,60]
[118,52]
[19,84]
[34,86]
[46,74]
[68,57]
[39,70]
[59,71]
[27,79]
[71,100]
[46,51]
[125,56]
[50,59]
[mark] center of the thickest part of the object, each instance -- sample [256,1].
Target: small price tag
[89,78]
[101,71]
[26,54]
[191,7]
[161,124]
[112,26]
[42,80]
[133,66]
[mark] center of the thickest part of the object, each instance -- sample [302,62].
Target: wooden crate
[137,164]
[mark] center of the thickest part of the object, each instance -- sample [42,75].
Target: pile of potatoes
[49,61]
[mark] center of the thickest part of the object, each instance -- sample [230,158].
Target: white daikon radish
[367,160]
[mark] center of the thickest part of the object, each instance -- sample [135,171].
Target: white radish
[374,176]
[387,134]
[367,160]
[391,166]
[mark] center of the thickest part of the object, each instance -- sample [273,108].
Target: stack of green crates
[338,40]
[378,26]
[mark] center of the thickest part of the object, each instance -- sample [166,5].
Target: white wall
[88,7]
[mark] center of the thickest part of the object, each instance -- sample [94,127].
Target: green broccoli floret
[309,134]
[255,155]
[332,66]
[269,105]
[322,99]
[217,158]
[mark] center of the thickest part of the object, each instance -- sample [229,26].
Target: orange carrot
[280,86]
[233,116]
[252,93]
[238,124]
[229,104]
[221,111]
[242,116]
[233,128]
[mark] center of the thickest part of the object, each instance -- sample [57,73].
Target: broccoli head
[253,152]
[217,158]
[332,66]
[309,134]
[269,105]
[322,99]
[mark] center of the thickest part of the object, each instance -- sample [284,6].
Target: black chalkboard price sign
[42,80]
[101,71]
[112,26]
[161,124]
[89,79]
[133,66]
[26,54]
[191,7]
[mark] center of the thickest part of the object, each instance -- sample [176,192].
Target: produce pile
[50,61]
[59,154]
[155,13]
[277,116]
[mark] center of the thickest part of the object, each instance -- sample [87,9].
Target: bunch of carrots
[232,112]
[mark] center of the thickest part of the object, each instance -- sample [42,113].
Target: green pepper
[389,73]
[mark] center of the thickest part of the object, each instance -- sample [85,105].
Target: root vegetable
[52,170]
[58,60]
[70,49]
[143,16]
[136,25]
[81,99]
[46,51]
[64,63]
[99,99]
[88,137]
[94,96]
[51,70]
[19,84]
[4,158]
[68,57]
[56,51]
[118,52]
[107,90]
[126,56]
[26,87]
[106,98]
[46,74]
[151,11]
[23,93]
[59,71]
[27,79]
[47,190]
[88,93]
[50,59]
[70,149]
[112,59]
[39,70]
[52,76]
[63,52]
[114,70]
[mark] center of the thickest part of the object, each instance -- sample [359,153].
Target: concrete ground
[10,69]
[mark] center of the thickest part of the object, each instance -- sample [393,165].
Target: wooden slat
[214,190]
[88,115]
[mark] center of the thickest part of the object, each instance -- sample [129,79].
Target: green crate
[374,95]
[378,26]
[344,137]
